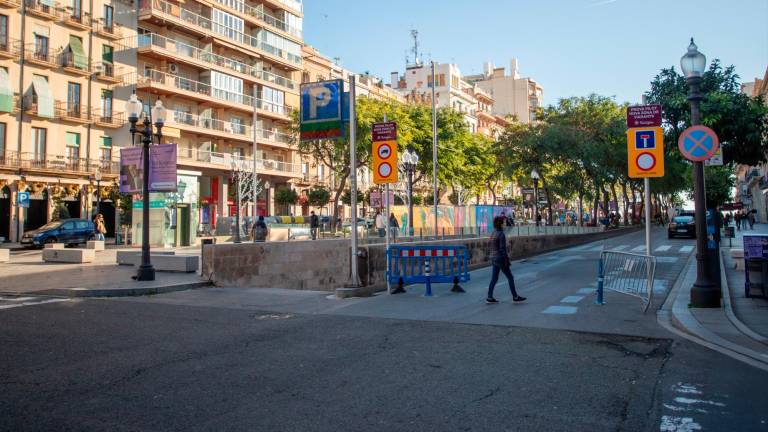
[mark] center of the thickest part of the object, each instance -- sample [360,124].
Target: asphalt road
[181,362]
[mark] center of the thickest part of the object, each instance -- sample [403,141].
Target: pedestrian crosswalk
[12,302]
[640,249]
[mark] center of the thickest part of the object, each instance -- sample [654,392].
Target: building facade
[514,96]
[228,72]
[62,92]
[752,180]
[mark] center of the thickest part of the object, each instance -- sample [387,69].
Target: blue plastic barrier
[427,264]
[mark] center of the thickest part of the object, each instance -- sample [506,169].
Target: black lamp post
[135,109]
[98,191]
[704,292]
[535,176]
[409,161]
[238,172]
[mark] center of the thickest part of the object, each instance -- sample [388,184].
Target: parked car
[67,231]
[682,225]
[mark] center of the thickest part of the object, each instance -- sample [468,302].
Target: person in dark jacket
[260,231]
[500,262]
[314,225]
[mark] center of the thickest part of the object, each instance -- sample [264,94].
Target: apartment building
[752,180]
[513,95]
[61,96]
[228,72]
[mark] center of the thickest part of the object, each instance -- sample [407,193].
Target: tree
[286,197]
[346,197]
[319,196]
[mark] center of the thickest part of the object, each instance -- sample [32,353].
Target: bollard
[456,287]
[400,287]
[600,279]
[428,293]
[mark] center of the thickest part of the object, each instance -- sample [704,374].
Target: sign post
[384,138]
[645,157]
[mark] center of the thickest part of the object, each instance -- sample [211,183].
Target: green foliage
[418,200]
[286,196]
[319,196]
[346,197]
[719,181]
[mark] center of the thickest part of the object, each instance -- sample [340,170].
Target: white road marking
[663,248]
[571,299]
[686,249]
[17,298]
[15,305]
[560,310]
[620,248]
[595,249]
[678,424]
[586,291]
[638,248]
[690,401]
[667,260]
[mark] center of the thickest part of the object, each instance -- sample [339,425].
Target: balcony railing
[181,83]
[70,111]
[108,119]
[189,51]
[75,62]
[36,7]
[78,20]
[10,47]
[259,14]
[113,30]
[216,125]
[107,72]
[38,55]
[209,27]
[33,161]
[226,160]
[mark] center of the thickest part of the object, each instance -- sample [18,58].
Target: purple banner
[162,171]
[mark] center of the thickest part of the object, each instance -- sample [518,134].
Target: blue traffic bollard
[428,293]
[600,278]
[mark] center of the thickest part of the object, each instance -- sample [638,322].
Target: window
[73,98]
[106,148]
[305,77]
[227,25]
[106,104]
[4,33]
[77,9]
[227,87]
[2,141]
[109,17]
[237,125]
[72,140]
[321,172]
[305,168]
[41,46]
[276,43]
[237,153]
[38,143]
[273,100]
[107,54]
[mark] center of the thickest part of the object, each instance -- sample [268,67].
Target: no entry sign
[643,116]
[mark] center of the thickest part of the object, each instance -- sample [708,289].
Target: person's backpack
[260,232]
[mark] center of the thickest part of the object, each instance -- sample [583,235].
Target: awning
[49,3]
[107,54]
[44,97]
[6,94]
[78,53]
[41,31]
[73,139]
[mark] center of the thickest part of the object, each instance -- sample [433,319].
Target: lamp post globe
[693,63]
[159,114]
[134,108]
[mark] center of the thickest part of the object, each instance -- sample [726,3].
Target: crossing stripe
[15,305]
[620,248]
[686,249]
[639,249]
[663,248]
[595,249]
[19,299]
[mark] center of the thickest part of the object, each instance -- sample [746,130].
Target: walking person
[500,262]
[260,231]
[314,225]
[381,224]
[98,227]
[751,219]
[394,226]
[737,220]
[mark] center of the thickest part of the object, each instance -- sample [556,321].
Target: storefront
[173,216]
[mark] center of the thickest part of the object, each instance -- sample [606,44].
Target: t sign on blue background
[645,139]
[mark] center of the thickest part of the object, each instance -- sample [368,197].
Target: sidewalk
[739,328]
[26,273]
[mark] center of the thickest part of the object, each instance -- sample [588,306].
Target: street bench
[74,256]
[175,263]
[97,245]
[427,265]
[55,246]
[5,255]
[133,258]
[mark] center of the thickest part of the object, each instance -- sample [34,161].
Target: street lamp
[135,110]
[409,161]
[97,176]
[535,176]
[704,293]
[238,172]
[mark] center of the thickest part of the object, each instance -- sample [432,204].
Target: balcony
[112,120]
[28,161]
[205,27]
[79,20]
[218,128]
[174,49]
[40,57]
[42,10]
[113,31]
[10,3]
[225,161]
[107,72]
[10,49]
[262,18]
[75,64]
[173,84]
[70,112]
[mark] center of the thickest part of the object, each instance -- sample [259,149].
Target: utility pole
[434,145]
[355,282]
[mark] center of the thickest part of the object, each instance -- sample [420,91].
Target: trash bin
[756,264]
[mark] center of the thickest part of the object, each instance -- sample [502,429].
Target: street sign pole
[647,216]
[388,230]
[434,145]
[355,282]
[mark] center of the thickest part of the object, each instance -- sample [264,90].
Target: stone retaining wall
[325,266]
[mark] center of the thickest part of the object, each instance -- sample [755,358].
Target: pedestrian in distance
[381,224]
[500,262]
[314,225]
[737,219]
[394,226]
[751,219]
[260,231]
[98,227]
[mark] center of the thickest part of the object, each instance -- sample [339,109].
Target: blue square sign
[645,139]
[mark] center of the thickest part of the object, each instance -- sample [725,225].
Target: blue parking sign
[321,110]
[23,199]
[645,139]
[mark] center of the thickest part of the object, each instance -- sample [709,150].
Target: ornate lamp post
[535,176]
[238,172]
[409,161]
[704,292]
[135,108]
[97,176]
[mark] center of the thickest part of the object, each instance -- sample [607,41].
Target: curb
[728,306]
[675,317]
[121,292]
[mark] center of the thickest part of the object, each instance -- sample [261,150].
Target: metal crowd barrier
[627,273]
[428,264]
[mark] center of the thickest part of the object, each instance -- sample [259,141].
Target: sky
[570,47]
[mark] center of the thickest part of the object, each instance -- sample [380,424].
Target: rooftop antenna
[336,60]
[415,50]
